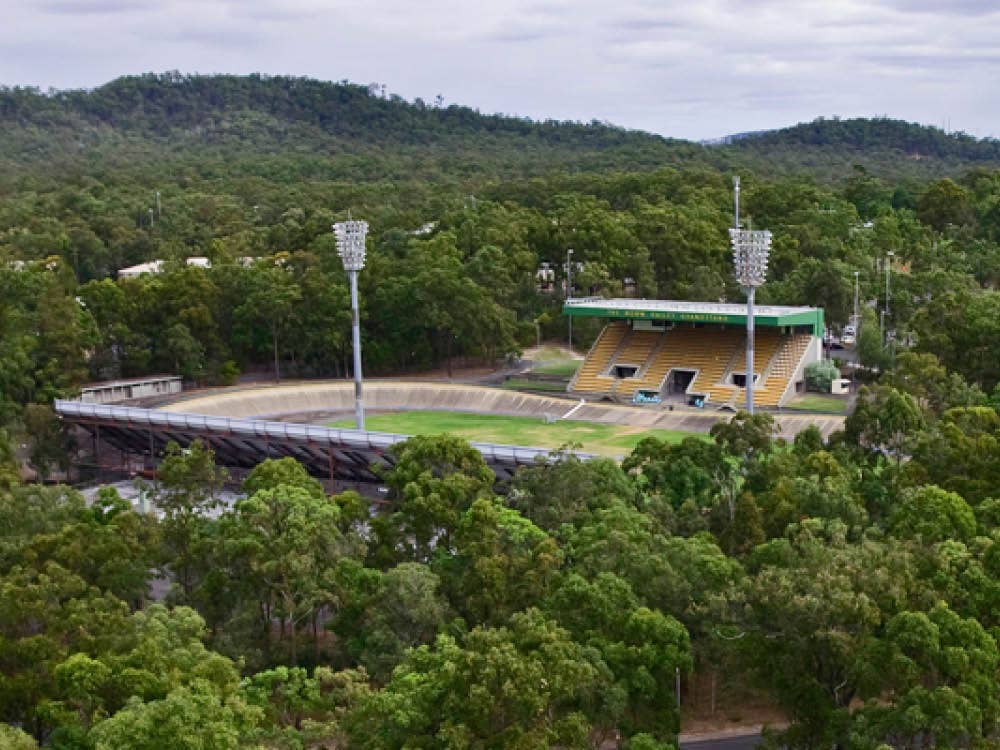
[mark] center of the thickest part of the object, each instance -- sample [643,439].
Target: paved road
[745,742]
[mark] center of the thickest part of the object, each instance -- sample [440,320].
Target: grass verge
[523,384]
[563,368]
[819,403]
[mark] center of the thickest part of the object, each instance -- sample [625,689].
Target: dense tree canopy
[850,583]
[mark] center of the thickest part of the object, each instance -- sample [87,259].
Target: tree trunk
[315,627]
[266,607]
[274,340]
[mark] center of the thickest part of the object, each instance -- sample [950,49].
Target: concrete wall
[814,353]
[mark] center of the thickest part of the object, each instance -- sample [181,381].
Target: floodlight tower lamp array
[351,243]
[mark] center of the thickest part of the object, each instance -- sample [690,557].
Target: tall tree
[187,489]
[272,300]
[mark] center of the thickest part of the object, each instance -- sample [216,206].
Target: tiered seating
[590,378]
[786,362]
[651,379]
[766,344]
[702,349]
[713,355]
[636,352]
[637,348]
[712,352]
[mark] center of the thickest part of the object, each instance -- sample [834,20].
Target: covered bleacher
[664,350]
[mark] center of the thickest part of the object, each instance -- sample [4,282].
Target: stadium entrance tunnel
[680,380]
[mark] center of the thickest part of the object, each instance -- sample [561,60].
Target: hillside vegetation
[825,148]
[175,117]
[318,129]
[851,583]
[464,208]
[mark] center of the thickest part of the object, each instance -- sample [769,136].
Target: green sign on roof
[694,312]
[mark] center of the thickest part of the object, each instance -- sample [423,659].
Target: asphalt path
[743,742]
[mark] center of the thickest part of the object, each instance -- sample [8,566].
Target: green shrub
[819,375]
[229,372]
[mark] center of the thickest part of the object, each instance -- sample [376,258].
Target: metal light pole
[888,265]
[351,249]
[750,251]
[854,319]
[569,291]
[736,202]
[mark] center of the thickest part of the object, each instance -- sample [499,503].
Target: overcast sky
[686,68]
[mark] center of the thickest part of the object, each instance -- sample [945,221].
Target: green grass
[564,368]
[524,384]
[819,403]
[549,354]
[606,439]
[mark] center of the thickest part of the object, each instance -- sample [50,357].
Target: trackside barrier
[302,433]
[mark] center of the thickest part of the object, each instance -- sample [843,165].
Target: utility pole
[855,317]
[888,265]
[150,218]
[159,208]
[569,291]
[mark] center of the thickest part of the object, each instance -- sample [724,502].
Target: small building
[134,272]
[114,391]
[156,266]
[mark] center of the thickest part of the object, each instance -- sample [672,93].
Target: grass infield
[819,403]
[565,368]
[606,439]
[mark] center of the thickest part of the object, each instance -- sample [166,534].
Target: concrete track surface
[737,742]
[325,397]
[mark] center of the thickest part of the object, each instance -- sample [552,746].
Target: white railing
[333,436]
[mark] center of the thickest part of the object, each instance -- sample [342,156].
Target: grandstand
[695,351]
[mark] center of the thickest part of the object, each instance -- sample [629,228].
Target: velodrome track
[297,401]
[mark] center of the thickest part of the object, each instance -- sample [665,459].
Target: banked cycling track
[248,424]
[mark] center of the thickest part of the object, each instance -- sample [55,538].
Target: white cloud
[691,69]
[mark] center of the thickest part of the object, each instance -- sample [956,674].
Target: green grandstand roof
[694,312]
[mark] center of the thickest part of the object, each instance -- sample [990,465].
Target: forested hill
[340,130]
[173,117]
[171,104]
[890,148]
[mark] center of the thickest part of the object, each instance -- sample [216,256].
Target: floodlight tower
[750,251]
[350,236]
